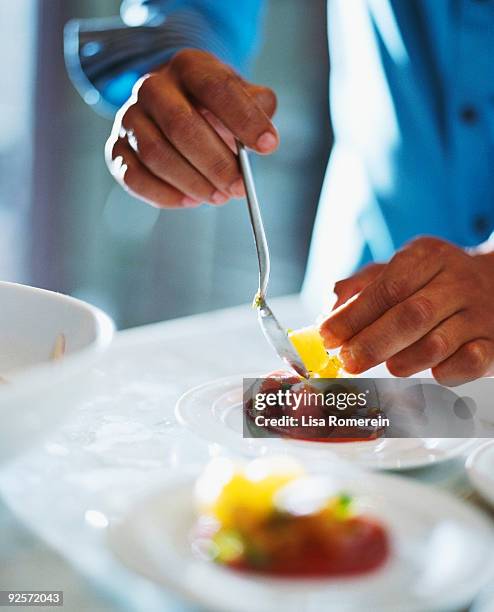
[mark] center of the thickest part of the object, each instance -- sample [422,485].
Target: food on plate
[310,347]
[258,301]
[277,521]
[283,404]
[315,411]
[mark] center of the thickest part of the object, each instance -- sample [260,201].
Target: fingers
[164,161]
[408,271]
[222,131]
[216,87]
[348,287]
[264,97]
[134,177]
[238,188]
[435,347]
[181,123]
[399,327]
[192,136]
[471,361]
[425,309]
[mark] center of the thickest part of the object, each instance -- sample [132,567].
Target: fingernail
[190,202]
[348,359]
[219,198]
[237,188]
[266,142]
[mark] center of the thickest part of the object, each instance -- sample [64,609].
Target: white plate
[441,554]
[214,412]
[480,469]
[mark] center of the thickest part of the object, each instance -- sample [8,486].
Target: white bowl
[39,391]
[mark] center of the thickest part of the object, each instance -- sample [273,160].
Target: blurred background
[66,226]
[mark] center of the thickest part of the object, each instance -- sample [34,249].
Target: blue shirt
[105,57]
[412,103]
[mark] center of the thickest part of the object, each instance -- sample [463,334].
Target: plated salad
[329,412]
[275,521]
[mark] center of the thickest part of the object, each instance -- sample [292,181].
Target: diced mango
[332,369]
[310,347]
[244,503]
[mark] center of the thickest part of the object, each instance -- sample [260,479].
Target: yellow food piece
[244,503]
[310,347]
[332,369]
[258,301]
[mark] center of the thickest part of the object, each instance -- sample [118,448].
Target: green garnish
[343,506]
[258,301]
[256,558]
[230,545]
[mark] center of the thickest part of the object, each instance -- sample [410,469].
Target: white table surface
[118,445]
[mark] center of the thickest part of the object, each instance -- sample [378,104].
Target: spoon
[273,331]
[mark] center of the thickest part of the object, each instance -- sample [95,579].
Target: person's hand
[172,143]
[431,306]
[349,287]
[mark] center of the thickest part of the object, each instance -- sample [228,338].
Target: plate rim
[475,480]
[302,448]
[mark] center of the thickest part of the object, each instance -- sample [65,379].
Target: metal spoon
[274,333]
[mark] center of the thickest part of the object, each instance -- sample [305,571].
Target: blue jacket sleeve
[105,57]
